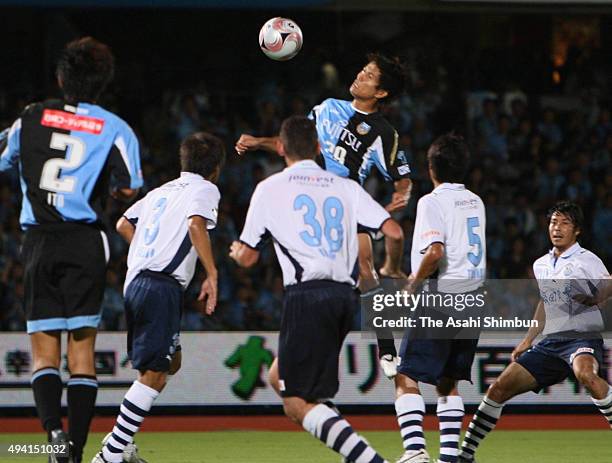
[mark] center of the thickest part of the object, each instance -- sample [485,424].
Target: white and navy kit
[161,264]
[352,142]
[68,157]
[571,328]
[455,217]
[311,215]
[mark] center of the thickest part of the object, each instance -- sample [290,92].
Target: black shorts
[430,360]
[317,316]
[64,276]
[550,360]
[153,306]
[375,234]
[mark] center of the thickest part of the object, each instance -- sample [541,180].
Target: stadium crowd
[530,148]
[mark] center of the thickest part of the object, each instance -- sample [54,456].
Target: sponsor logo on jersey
[68,121]
[567,271]
[466,203]
[317,180]
[363,128]
[339,131]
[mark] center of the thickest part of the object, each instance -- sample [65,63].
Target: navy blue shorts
[550,360]
[153,306]
[430,360]
[317,316]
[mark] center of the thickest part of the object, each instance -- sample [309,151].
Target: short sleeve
[124,159]
[10,145]
[205,203]
[370,214]
[429,225]
[254,232]
[134,211]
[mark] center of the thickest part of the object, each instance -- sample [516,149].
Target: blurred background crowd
[531,94]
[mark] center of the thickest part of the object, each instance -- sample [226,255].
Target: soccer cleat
[414,456]
[389,364]
[60,438]
[130,452]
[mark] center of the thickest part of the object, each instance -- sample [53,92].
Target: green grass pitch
[294,447]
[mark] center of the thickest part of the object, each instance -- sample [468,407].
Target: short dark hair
[201,153]
[448,157]
[298,134]
[85,67]
[569,209]
[392,74]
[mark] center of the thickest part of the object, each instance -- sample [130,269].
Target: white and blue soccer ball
[280,39]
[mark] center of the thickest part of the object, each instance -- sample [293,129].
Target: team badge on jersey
[567,271]
[363,128]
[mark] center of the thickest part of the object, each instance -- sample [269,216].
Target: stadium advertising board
[231,369]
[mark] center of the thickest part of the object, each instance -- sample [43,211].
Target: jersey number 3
[50,177]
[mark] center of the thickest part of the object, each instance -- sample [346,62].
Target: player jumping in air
[573,284]
[312,216]
[353,137]
[449,238]
[168,232]
[69,153]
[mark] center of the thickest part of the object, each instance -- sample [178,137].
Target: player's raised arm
[198,234]
[250,143]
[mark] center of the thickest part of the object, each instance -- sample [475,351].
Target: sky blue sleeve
[9,146]
[129,148]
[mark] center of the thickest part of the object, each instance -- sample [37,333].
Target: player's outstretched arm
[249,143]
[198,234]
[394,247]
[126,229]
[532,333]
[124,195]
[244,255]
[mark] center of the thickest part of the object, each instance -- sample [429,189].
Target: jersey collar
[191,174]
[306,163]
[573,249]
[450,186]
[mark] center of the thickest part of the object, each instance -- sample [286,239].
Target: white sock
[410,410]
[135,406]
[605,406]
[483,422]
[450,413]
[335,432]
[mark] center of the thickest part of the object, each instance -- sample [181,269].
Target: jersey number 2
[50,177]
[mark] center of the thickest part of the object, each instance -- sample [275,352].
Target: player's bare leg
[273,376]
[585,368]
[368,283]
[82,387]
[331,428]
[410,410]
[514,380]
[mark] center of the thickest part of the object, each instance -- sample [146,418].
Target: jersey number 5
[50,177]
[332,229]
[474,240]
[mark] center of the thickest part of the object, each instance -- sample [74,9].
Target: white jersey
[455,217]
[161,241]
[311,215]
[575,272]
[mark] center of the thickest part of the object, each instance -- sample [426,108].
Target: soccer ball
[280,39]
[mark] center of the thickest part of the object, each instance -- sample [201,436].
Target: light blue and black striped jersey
[352,142]
[68,157]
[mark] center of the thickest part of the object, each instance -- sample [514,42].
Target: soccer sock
[410,409]
[47,387]
[335,432]
[483,422]
[450,413]
[81,392]
[135,406]
[605,406]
